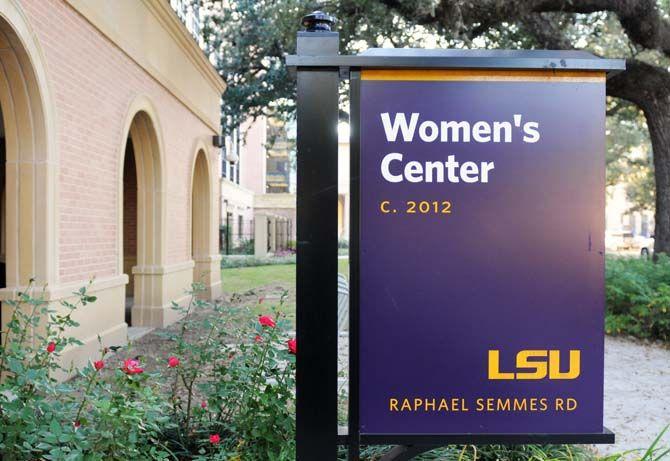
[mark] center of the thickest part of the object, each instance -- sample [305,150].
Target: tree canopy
[249,39]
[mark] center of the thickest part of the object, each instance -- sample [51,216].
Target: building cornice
[167,20]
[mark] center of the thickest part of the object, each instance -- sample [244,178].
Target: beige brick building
[263,189]
[108,112]
[261,184]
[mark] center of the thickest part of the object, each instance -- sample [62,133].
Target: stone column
[260,235]
[273,237]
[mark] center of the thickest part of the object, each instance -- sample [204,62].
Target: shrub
[241,393]
[217,397]
[488,453]
[227,394]
[638,297]
[232,262]
[244,247]
[83,419]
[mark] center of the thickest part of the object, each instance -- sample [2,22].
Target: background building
[108,112]
[260,184]
[627,229]
[279,150]
[237,196]
[265,185]
[343,160]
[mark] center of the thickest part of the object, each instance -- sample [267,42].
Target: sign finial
[318,21]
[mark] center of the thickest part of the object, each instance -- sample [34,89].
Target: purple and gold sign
[481,252]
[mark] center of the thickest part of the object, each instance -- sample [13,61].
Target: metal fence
[236,236]
[284,231]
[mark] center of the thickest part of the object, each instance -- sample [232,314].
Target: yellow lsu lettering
[536,364]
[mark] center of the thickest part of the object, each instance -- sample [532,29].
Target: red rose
[292,346]
[51,347]
[214,439]
[258,339]
[76,424]
[266,321]
[99,365]
[173,362]
[132,367]
[203,404]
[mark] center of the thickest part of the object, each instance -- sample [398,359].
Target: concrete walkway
[637,393]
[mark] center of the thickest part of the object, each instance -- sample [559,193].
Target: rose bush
[244,379]
[86,418]
[224,396]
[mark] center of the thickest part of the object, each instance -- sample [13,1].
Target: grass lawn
[243,279]
[343,266]
[267,282]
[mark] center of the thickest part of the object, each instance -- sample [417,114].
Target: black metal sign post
[353,439]
[319,69]
[316,277]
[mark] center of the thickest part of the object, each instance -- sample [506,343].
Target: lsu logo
[536,364]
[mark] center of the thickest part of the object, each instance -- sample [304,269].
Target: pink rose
[132,367]
[99,365]
[173,362]
[214,439]
[51,347]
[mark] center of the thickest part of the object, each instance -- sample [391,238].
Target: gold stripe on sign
[540,75]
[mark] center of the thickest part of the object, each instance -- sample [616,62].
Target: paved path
[637,393]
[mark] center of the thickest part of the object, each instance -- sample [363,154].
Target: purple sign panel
[481,253]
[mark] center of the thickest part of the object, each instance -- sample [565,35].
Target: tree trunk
[658,120]
[648,87]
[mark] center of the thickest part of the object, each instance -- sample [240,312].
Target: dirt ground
[152,349]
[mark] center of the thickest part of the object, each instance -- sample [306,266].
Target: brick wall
[93,82]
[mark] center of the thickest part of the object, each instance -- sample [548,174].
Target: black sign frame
[319,70]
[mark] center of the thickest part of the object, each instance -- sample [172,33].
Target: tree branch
[545,31]
[641,19]
[641,83]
